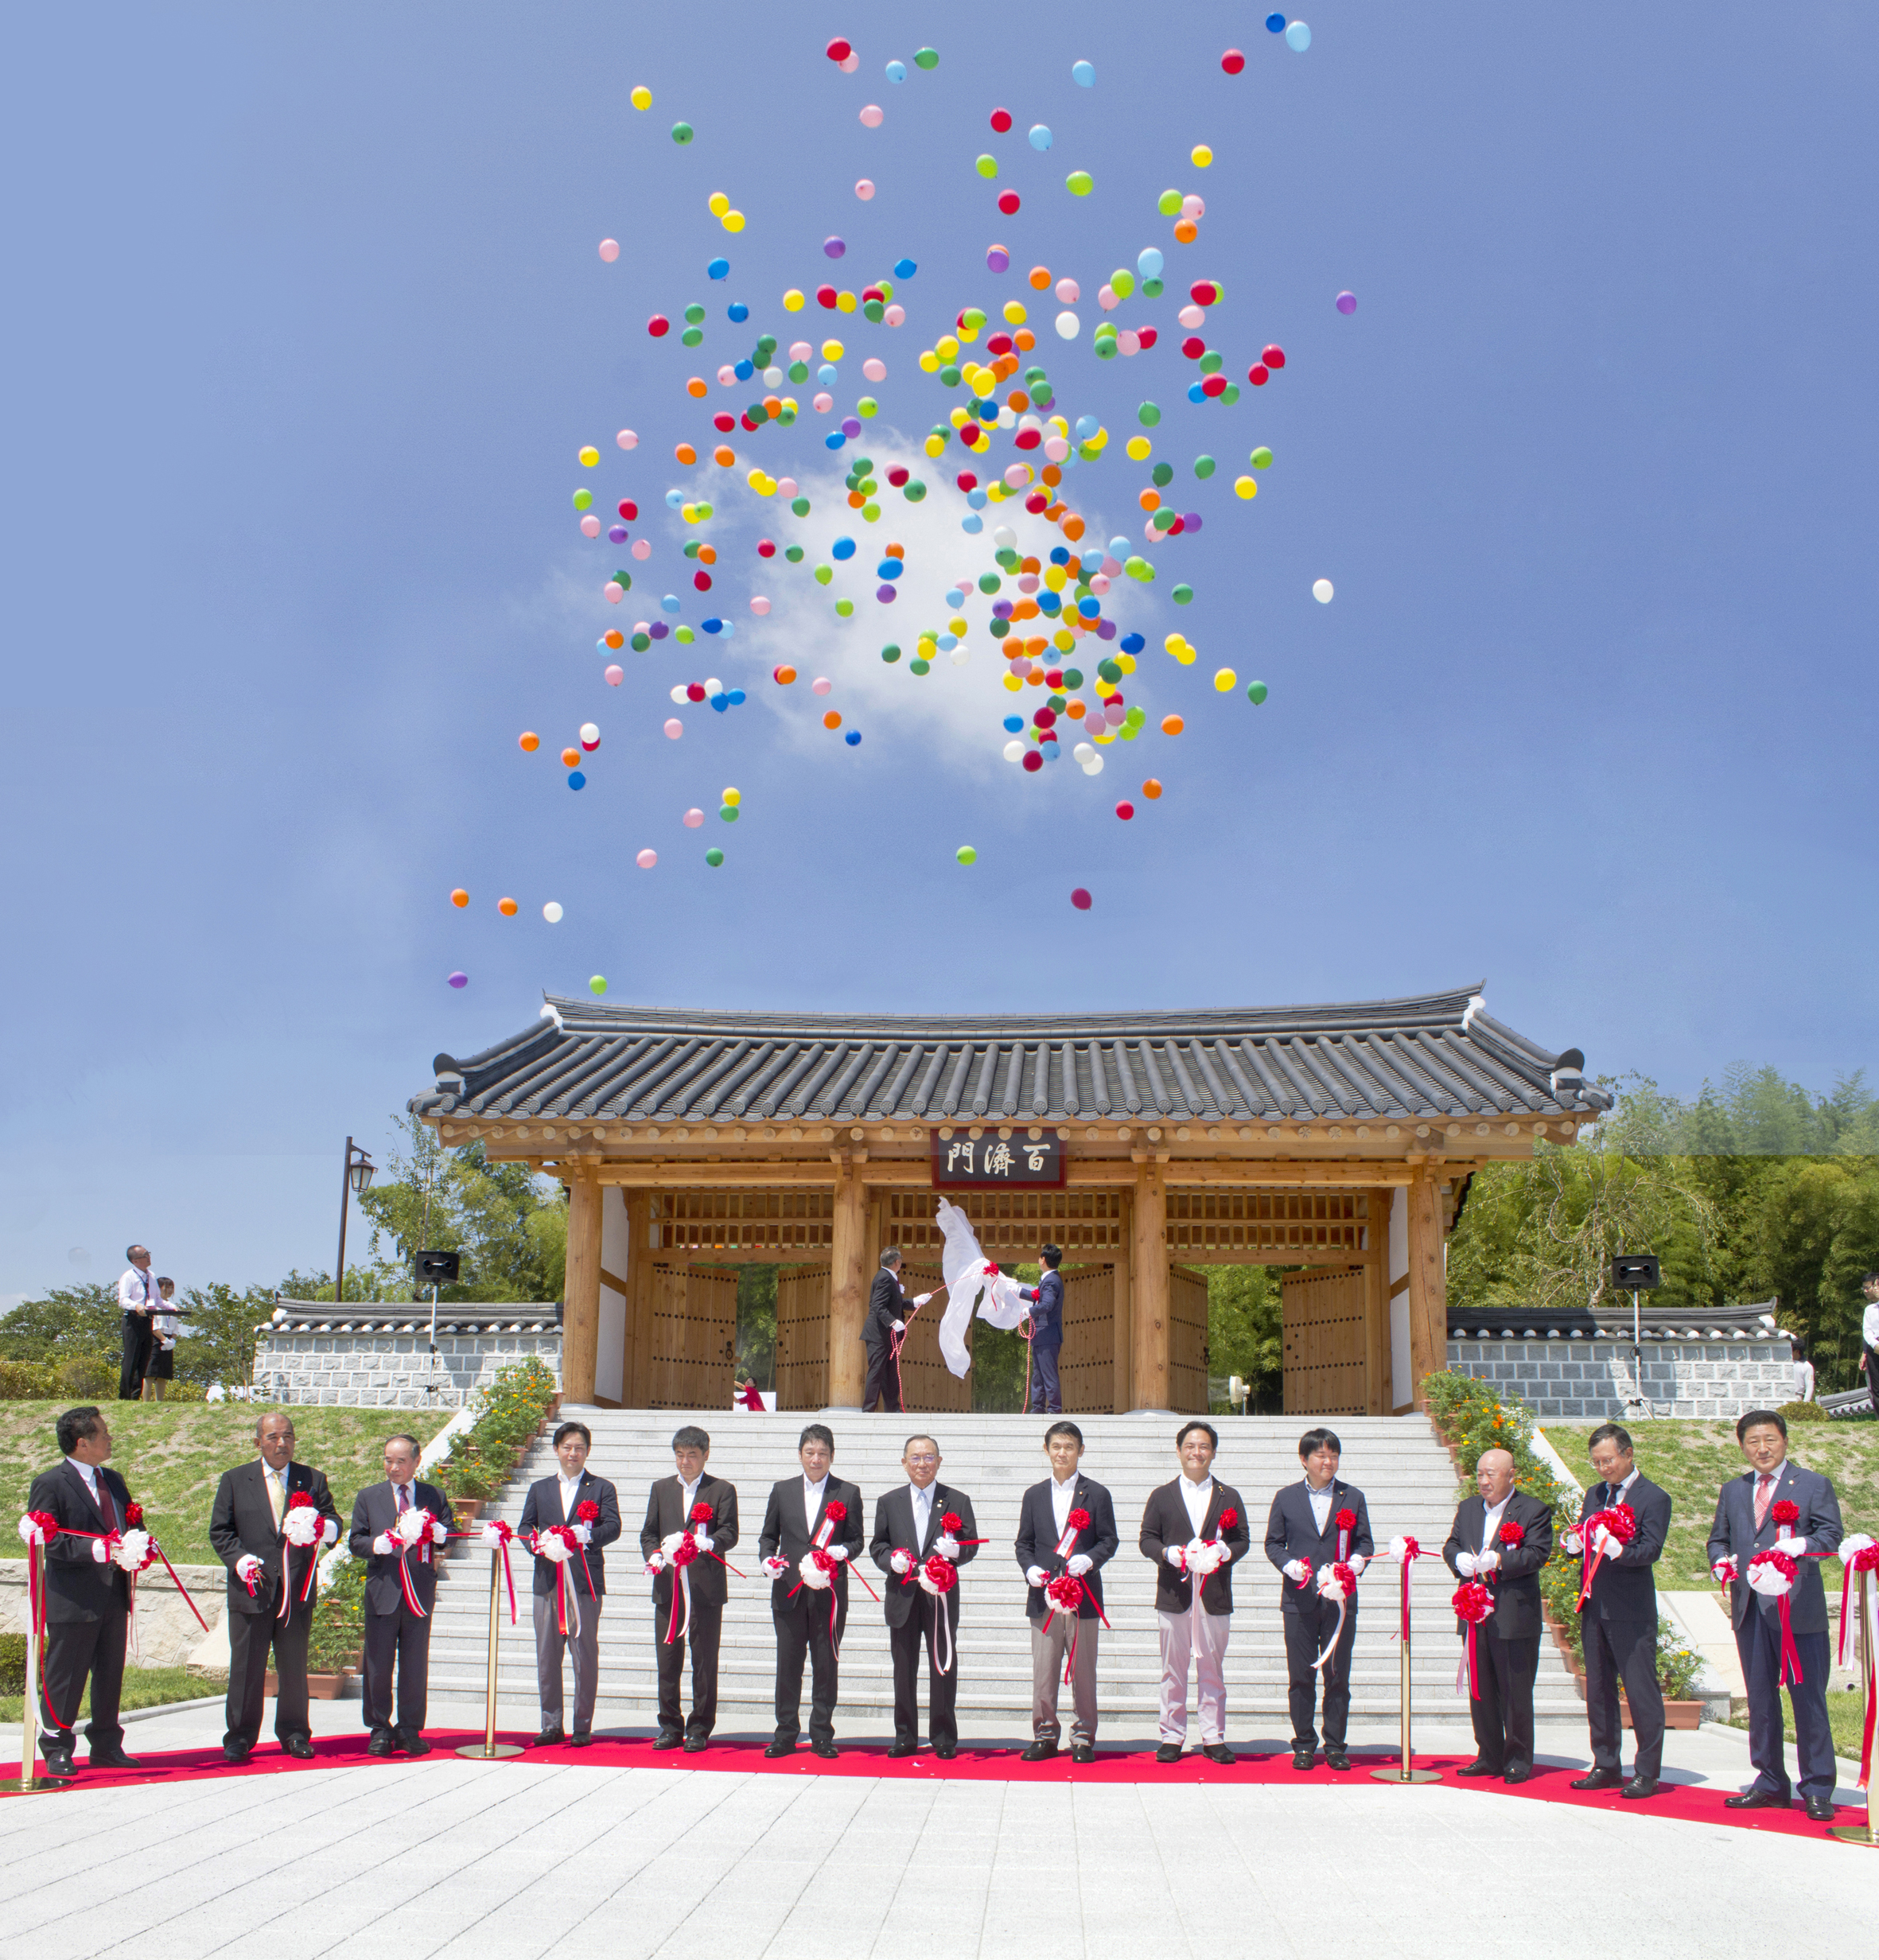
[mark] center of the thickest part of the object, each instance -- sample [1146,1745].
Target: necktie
[404,1497]
[1764,1490]
[276,1500]
[106,1509]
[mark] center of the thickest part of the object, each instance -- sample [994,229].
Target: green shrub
[12,1663]
[85,1377]
[1794,1412]
[1677,1666]
[27,1381]
[510,1414]
[338,1632]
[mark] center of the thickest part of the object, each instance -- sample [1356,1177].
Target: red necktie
[106,1510]
[1764,1491]
[404,1497]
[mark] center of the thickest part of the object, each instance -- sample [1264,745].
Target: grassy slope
[144,1687]
[172,1454]
[1692,1460]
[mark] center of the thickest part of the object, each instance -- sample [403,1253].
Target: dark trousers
[137,1357]
[803,1629]
[1872,1356]
[942,1690]
[1503,1716]
[1043,1394]
[1306,1631]
[251,1638]
[1758,1642]
[75,1649]
[1623,1650]
[884,1380]
[402,1637]
[707,1625]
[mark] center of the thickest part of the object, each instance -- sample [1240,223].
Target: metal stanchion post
[489,1748]
[1864,1834]
[29,1779]
[1405,1771]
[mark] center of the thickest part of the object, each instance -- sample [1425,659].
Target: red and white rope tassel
[1859,1556]
[937,1578]
[1335,1582]
[682,1558]
[1473,1602]
[498,1535]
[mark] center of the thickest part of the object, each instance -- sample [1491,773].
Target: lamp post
[356,1177]
[1636,1273]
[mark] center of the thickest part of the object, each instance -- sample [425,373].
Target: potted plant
[338,1632]
[1677,1669]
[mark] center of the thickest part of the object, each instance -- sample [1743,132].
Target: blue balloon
[1298,38]
[669,603]
[889,568]
[744,369]
[977,499]
[842,548]
[905,268]
[576,780]
[1087,426]
[853,738]
[718,269]
[1041,137]
[897,71]
[1091,607]
[1092,563]
[828,374]
[737,697]
[833,439]
[675,499]
[1149,264]
[738,311]
[1132,643]
[1014,725]
[1275,23]
[972,524]
[711,626]
[1119,548]
[720,702]
[725,628]
[1083,74]
[1195,392]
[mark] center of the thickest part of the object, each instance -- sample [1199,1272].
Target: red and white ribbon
[1618,1520]
[1347,1524]
[1860,1556]
[1335,1582]
[1405,1551]
[499,1536]
[1771,1574]
[936,1578]
[1473,1602]
[1078,1520]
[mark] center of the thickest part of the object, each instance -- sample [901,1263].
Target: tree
[71,1322]
[1244,1331]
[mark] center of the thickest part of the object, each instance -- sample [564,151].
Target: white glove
[247,1566]
[947,1545]
[330,1530]
[1487,1562]
[1794,1548]
[900,1326]
[440,1532]
[902,1562]
[1605,1545]
[837,1551]
[1356,1562]
[1465,1565]
[1176,1556]
[583,1535]
[920,1300]
[1078,1564]
[381,1544]
[702,1532]
[656,1564]
[1036,1575]
[1723,1572]
[1294,1570]
[99,1553]
[1571,1543]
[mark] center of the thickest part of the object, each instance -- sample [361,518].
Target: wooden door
[1186,1343]
[927,1385]
[1087,1366]
[802,1337]
[694,1345]
[1323,1345]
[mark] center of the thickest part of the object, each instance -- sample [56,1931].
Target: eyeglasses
[922,1459]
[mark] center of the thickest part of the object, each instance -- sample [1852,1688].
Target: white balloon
[1004,538]
[679,694]
[1069,326]
[1321,591]
[551,912]
[1191,316]
[1014,752]
[1083,751]
[961,655]
[590,732]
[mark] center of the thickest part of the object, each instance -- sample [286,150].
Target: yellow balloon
[792,300]
[1140,449]
[732,798]
[831,350]
[733,221]
[1200,156]
[1245,487]
[1012,681]
[1173,644]
[720,203]
[845,302]
[1015,315]
[929,363]
[956,627]
[642,97]
[590,456]
[935,446]
[948,349]
[1225,681]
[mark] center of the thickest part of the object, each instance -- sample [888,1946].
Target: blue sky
[306,323]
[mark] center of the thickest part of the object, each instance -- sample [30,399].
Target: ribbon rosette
[560,1544]
[301,1527]
[1473,1602]
[1510,1533]
[1405,1551]
[1336,1581]
[1771,1574]
[1347,1524]
[1077,1520]
[1859,1555]
[498,1536]
[938,1576]
[1618,1520]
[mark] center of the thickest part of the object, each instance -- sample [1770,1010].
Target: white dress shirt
[1803,1381]
[1197,1497]
[812,1499]
[1321,1504]
[137,1292]
[923,1511]
[1869,1325]
[570,1494]
[89,1472]
[1491,1522]
[1062,1501]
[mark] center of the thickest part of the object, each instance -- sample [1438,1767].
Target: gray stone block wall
[391,1371]
[1574,1380]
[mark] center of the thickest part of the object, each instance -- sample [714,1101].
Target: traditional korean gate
[694,1337]
[1187,1328]
[802,1337]
[1087,1366]
[1323,1344]
[929,1385]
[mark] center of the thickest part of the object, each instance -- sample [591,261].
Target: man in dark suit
[1195,1526]
[398,1627]
[1044,1393]
[554,1502]
[87,1598]
[1049,1546]
[1745,1524]
[909,1528]
[1304,1533]
[887,1308]
[670,1506]
[1618,1623]
[1502,1536]
[797,1521]
[266,1576]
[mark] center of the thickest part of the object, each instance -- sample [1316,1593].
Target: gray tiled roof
[1760,1321]
[1436,1055]
[410,1317]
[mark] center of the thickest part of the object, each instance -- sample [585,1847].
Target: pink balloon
[642,548]
[895,315]
[616,674]
[647,859]
[786,486]
[759,605]
[822,403]
[627,439]
[1107,297]
[590,526]
[614,591]
[871,116]
[675,728]
[849,63]
[609,249]
[1068,292]
[820,685]
[1017,476]
[875,368]
[694,818]
[1126,342]
[864,189]
[727,377]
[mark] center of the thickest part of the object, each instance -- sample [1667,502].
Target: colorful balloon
[647,859]
[609,249]
[1322,590]
[1080,898]
[552,911]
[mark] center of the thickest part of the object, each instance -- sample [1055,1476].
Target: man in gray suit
[1753,1516]
[400,1589]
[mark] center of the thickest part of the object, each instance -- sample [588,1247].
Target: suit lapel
[78,1477]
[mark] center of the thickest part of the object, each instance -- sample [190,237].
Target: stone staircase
[1404,1474]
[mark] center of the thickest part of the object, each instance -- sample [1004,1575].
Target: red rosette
[1785,1511]
[1229,1518]
[822,1559]
[301,1500]
[949,1521]
[1347,1520]
[837,1512]
[587,1512]
[1512,1534]
[991,1268]
[685,1551]
[1344,1577]
[1473,1602]
[1622,1521]
[1866,1558]
[133,1516]
[701,1512]
[49,1527]
[1780,1561]
[941,1574]
[1065,1594]
[1078,1519]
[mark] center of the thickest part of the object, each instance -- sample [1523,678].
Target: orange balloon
[707,554]
[570,758]
[831,719]
[506,907]
[896,551]
[724,456]
[696,389]
[530,742]
[1040,277]
[1052,475]
[1025,339]
[1187,231]
[783,675]
[856,499]
[685,453]
[614,637]
[1152,788]
[1150,499]
[1075,710]
[1073,528]
[460,898]
[1171,724]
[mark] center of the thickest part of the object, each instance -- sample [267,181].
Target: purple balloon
[1346,302]
[884,593]
[459,979]
[1106,629]
[1002,609]
[834,246]
[851,426]
[658,629]
[1190,520]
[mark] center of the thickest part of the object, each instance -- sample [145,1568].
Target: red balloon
[1054,678]
[1027,439]
[1008,202]
[1045,717]
[1214,384]
[1233,61]
[1036,501]
[1193,346]
[1000,120]
[898,476]
[970,435]
[1125,811]
[1033,759]
[966,480]
[1203,292]
[872,292]
[1274,357]
[766,547]
[998,344]
[1146,335]
[839,49]
[1257,376]
[694,692]
[825,296]
[724,423]
[658,326]
[1080,898]
[750,423]
[703,581]
[629,509]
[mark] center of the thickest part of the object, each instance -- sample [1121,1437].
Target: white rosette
[1329,1586]
[492,1533]
[1205,1557]
[132,1551]
[1768,1579]
[30,1533]
[1399,1548]
[553,1548]
[812,1575]
[301,1525]
[1853,1544]
[411,1525]
[926,1586]
[670,1543]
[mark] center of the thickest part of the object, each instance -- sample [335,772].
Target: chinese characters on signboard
[992,1161]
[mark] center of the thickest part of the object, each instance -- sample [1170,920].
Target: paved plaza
[522,1859]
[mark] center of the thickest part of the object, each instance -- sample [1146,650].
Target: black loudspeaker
[1636,1273]
[442,1269]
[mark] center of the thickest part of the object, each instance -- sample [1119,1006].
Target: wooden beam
[1124,1268]
[849,1280]
[637,1385]
[1376,1309]
[1151,1334]
[581,1311]
[1114,1173]
[1428,1278]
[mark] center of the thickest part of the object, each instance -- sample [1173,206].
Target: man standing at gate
[1044,1393]
[1066,1526]
[1317,1524]
[886,1318]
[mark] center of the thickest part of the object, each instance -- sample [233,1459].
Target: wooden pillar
[849,1280]
[1427,1283]
[1151,1336]
[581,1306]
[636,1376]
[1125,1323]
[1376,1307]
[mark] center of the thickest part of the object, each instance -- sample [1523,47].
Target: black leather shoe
[668,1739]
[1757,1800]
[59,1763]
[695,1744]
[1039,1752]
[549,1737]
[1518,1773]
[826,1750]
[1219,1752]
[581,1739]
[1168,1752]
[1639,1787]
[1599,1779]
[1477,1768]
[1082,1752]
[903,1747]
[779,1748]
[414,1745]
[112,1759]
[1335,1759]
[234,1751]
[1820,1808]
[946,1751]
[381,1744]
[301,1746]
[1303,1758]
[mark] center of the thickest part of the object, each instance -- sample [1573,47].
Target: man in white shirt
[140,1300]
[1868,1336]
[1804,1373]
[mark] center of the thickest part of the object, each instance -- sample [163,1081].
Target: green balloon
[1139,569]
[1212,362]
[713,857]
[1182,594]
[1168,203]
[1228,395]
[949,377]
[623,580]
[989,583]
[583,499]
[1161,475]
[694,315]
[692,336]
[986,166]
[684,635]
[870,512]
[1148,415]
[1204,466]
[1105,349]
[641,641]
[800,506]
[1080,183]
[844,608]
[1122,283]
[919,666]
[794,552]
[683,132]
[1261,457]
[965,854]
[890,653]
[927,58]
[824,574]
[1154,289]
[1072,677]
[915,491]
[598,984]
[1256,693]
[728,813]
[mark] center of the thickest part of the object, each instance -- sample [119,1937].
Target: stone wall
[1566,1380]
[167,1634]
[375,1371]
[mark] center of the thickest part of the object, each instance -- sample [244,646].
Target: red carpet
[1692,1803]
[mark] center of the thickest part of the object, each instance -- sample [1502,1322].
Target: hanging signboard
[992,1162]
